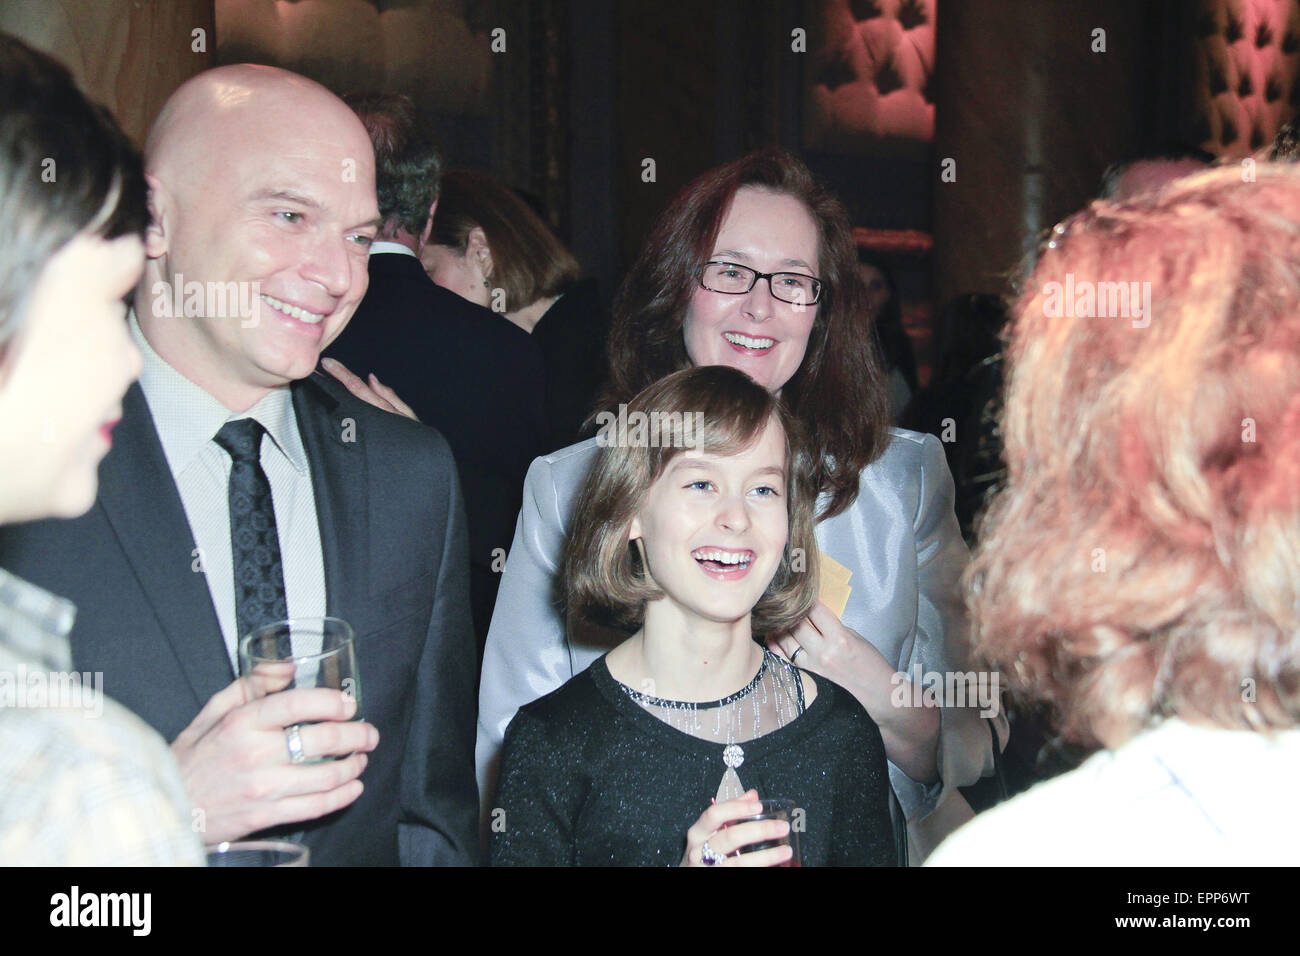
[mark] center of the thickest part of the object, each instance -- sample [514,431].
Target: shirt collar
[380,245]
[187,417]
[35,623]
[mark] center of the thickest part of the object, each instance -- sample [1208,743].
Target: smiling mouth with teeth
[719,560]
[293,311]
[748,342]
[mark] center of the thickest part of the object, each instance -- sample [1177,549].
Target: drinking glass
[302,652]
[259,853]
[776,809]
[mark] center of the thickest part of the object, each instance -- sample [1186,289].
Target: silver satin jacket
[899,538]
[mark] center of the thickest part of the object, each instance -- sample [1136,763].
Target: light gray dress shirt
[187,419]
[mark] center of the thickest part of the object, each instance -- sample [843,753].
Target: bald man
[233,452]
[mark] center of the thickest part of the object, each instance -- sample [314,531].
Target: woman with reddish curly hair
[1140,571]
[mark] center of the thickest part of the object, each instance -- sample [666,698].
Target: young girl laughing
[648,756]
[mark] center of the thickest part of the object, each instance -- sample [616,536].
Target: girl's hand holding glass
[711,838]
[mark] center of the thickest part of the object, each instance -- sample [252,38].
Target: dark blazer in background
[473,375]
[572,334]
[393,542]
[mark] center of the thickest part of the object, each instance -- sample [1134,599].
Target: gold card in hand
[830,568]
[835,590]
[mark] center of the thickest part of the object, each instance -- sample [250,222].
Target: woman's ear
[634,529]
[478,252]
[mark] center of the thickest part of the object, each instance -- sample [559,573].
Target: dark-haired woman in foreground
[639,759]
[83,782]
[753,267]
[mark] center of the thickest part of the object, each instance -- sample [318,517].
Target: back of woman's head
[66,168]
[716,410]
[528,261]
[1143,559]
[841,368]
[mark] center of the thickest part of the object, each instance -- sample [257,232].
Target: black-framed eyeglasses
[731,279]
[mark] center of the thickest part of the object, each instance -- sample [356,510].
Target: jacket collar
[143,506]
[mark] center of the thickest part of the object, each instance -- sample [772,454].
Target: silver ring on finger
[797,651]
[708,855]
[293,740]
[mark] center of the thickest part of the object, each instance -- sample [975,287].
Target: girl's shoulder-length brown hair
[719,411]
[837,393]
[528,261]
[1143,558]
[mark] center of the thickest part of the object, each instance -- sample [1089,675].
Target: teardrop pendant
[731,788]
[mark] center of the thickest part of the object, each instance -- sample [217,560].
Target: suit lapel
[340,485]
[143,506]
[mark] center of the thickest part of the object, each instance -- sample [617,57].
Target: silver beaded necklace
[775,697]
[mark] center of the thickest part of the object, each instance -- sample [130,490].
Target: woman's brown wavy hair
[1143,559]
[528,261]
[838,391]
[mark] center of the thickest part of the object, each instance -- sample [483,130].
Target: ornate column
[1033,100]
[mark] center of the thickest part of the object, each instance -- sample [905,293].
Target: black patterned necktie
[254,541]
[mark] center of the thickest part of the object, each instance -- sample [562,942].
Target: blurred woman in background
[885,306]
[962,403]
[489,247]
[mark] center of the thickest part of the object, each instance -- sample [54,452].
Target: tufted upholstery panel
[424,48]
[868,83]
[1247,72]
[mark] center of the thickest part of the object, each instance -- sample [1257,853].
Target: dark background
[1027,98]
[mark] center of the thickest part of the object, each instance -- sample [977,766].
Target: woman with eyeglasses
[753,266]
